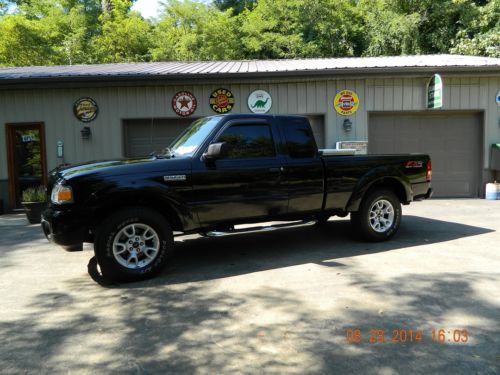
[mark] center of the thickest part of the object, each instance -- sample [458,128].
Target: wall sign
[85,109]
[346,102]
[260,101]
[184,103]
[435,92]
[497,98]
[221,100]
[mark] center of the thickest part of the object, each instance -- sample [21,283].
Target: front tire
[379,216]
[133,244]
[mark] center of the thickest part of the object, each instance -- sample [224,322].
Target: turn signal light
[62,194]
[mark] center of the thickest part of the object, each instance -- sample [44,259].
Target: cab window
[248,141]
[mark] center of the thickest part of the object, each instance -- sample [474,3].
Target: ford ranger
[221,172]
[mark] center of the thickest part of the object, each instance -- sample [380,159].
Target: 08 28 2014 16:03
[407,335]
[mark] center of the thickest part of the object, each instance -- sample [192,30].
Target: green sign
[435,92]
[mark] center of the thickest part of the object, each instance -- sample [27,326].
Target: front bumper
[65,228]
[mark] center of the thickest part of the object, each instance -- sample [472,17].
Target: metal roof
[213,69]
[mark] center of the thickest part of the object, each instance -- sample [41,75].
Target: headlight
[61,194]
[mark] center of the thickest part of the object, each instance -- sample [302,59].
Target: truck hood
[118,167]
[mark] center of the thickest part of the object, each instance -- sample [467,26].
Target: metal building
[70,114]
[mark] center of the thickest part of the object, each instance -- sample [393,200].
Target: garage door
[453,140]
[318,128]
[143,136]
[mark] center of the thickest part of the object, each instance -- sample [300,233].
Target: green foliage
[3,7]
[23,42]
[482,37]
[190,30]
[237,6]
[48,32]
[124,37]
[34,194]
[302,28]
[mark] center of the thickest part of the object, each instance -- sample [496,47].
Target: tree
[237,6]
[301,28]
[482,37]
[23,42]
[94,31]
[3,7]
[190,30]
[124,35]
[44,32]
[389,32]
[415,27]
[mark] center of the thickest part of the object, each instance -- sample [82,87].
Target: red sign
[184,103]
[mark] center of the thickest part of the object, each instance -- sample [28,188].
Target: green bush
[35,194]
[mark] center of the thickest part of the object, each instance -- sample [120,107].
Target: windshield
[189,141]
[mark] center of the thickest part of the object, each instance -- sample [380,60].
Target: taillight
[428,175]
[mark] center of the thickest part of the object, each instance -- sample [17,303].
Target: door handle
[276,169]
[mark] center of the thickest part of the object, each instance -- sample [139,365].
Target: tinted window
[299,139]
[189,141]
[248,141]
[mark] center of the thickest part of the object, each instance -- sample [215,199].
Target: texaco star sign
[184,103]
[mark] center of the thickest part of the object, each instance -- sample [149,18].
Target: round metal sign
[260,101]
[497,98]
[346,102]
[184,103]
[85,109]
[221,100]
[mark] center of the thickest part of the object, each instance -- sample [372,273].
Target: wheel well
[391,184]
[163,208]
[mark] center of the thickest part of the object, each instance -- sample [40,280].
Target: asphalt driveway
[279,302]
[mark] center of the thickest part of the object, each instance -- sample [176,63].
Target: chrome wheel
[136,245]
[381,216]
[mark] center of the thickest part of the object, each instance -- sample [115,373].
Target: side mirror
[215,151]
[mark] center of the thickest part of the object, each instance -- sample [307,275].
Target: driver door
[246,182]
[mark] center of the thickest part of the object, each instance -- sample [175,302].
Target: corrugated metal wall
[54,107]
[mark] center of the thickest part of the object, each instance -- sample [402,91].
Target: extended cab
[220,172]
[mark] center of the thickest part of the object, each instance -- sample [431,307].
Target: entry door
[26,159]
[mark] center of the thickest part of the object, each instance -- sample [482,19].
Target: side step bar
[260,229]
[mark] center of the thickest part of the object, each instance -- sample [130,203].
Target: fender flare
[379,176]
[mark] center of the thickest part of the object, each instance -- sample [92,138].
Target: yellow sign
[346,102]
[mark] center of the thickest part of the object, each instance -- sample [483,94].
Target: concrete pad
[280,302]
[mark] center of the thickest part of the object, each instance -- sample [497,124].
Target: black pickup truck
[221,172]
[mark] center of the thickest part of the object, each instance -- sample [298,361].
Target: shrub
[35,194]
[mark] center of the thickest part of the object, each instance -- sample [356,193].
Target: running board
[261,229]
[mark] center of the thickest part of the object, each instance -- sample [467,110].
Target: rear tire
[133,244]
[379,216]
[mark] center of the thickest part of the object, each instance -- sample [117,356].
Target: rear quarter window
[299,139]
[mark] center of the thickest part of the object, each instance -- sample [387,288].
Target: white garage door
[143,136]
[453,140]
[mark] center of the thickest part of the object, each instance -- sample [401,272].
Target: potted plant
[34,200]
